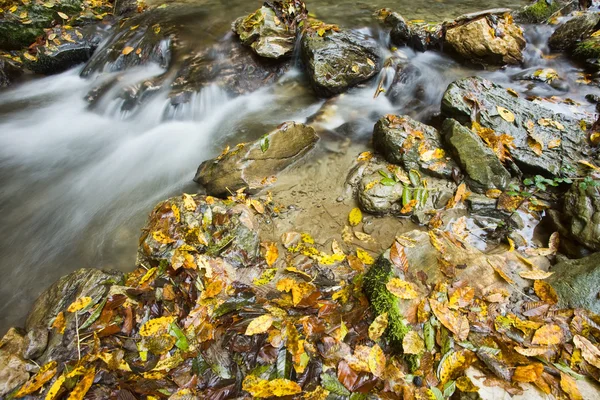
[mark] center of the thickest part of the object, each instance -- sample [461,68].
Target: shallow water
[77,185]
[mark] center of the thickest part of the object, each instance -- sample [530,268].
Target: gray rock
[380,199]
[271,30]
[35,343]
[487,40]
[9,71]
[582,214]
[337,61]
[481,166]
[411,144]
[13,369]
[420,36]
[251,165]
[479,98]
[577,282]
[567,35]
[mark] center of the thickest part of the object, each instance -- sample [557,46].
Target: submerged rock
[338,60]
[539,140]
[413,145]
[582,212]
[489,39]
[577,283]
[481,166]
[271,30]
[253,165]
[566,36]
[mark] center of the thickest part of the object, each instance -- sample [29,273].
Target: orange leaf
[545,292]
[455,322]
[528,373]
[45,373]
[398,256]
[548,335]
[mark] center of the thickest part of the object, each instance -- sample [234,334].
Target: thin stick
[77,332]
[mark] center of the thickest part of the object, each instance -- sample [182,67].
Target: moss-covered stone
[587,49]
[539,11]
[382,301]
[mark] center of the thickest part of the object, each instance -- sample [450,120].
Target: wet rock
[540,11]
[582,213]
[186,225]
[9,71]
[577,282]
[252,165]
[544,75]
[411,144]
[407,80]
[588,51]
[338,60]
[566,36]
[376,198]
[13,369]
[271,30]
[562,138]
[489,40]
[35,342]
[84,282]
[125,7]
[481,166]
[420,36]
[17,33]
[63,48]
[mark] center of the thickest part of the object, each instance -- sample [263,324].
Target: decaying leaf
[398,256]
[259,325]
[364,256]
[261,388]
[355,217]
[401,289]
[454,321]
[535,274]
[79,304]
[378,327]
[272,253]
[548,335]
[127,50]
[156,326]
[59,323]
[82,387]
[528,373]
[45,373]
[452,364]
[506,114]
[545,292]
[377,361]
[412,343]
[589,352]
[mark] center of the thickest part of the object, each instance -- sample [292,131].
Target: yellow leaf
[364,256]
[493,193]
[148,275]
[299,289]
[365,156]
[501,272]
[548,335]
[532,351]
[454,321]
[13,9]
[589,352]
[261,388]
[266,277]
[378,326]
[512,92]
[568,384]
[189,203]
[355,69]
[506,114]
[545,292]
[30,57]
[528,373]
[451,365]
[355,216]
[55,388]
[535,274]
[259,325]
[84,385]
[272,252]
[59,323]
[363,237]
[162,238]
[588,164]
[554,143]
[45,373]
[62,15]
[176,213]
[401,289]
[79,304]
[213,289]
[377,361]
[127,50]
[156,326]
[465,385]
[412,343]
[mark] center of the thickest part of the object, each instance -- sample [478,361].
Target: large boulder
[481,166]
[588,51]
[420,36]
[271,30]
[488,39]
[566,36]
[582,213]
[539,140]
[252,165]
[413,145]
[577,282]
[337,60]
[541,10]
[13,369]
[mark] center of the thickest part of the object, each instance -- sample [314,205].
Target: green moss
[383,301]
[539,11]
[589,48]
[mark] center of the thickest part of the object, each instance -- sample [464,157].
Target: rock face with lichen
[488,40]
[582,211]
[566,36]
[337,60]
[539,11]
[253,165]
[271,30]
[577,282]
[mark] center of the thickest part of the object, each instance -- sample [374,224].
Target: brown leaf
[589,352]
[401,289]
[548,335]
[398,256]
[545,292]
[528,373]
[454,321]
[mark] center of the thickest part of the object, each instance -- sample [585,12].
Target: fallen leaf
[364,256]
[412,343]
[79,391]
[535,274]
[45,373]
[589,352]
[452,364]
[532,351]
[528,373]
[127,50]
[545,292]
[259,325]
[569,386]
[62,15]
[355,216]
[401,289]
[454,321]
[59,323]
[377,361]
[260,388]
[378,327]
[156,326]
[548,335]
[272,252]
[398,256]
[79,304]
[506,114]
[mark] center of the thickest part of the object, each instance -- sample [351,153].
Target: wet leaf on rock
[378,326]
[545,292]
[127,50]
[355,217]
[506,114]
[401,289]
[548,335]
[45,373]
[79,304]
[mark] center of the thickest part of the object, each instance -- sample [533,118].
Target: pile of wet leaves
[214,312]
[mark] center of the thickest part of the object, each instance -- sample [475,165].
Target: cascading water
[78,180]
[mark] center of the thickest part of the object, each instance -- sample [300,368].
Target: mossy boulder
[271,30]
[20,27]
[253,165]
[588,50]
[577,283]
[539,11]
[582,212]
[562,139]
[412,145]
[566,36]
[481,166]
[337,60]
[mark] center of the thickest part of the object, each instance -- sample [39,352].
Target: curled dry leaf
[589,352]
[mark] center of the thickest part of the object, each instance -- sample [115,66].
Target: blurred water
[77,185]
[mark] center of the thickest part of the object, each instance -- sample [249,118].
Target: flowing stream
[77,184]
